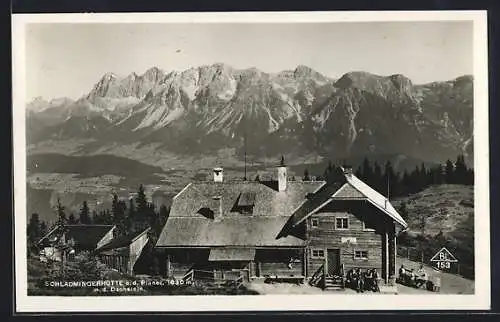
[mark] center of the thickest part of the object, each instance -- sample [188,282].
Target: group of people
[363,281]
[410,277]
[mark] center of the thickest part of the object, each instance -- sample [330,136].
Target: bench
[282,278]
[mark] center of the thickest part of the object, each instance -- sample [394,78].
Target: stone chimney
[347,171]
[218,206]
[218,174]
[282,175]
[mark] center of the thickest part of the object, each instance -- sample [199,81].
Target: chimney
[218,212]
[347,171]
[218,174]
[282,175]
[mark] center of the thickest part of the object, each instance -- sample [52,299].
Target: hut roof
[84,236]
[122,241]
[352,189]
[190,225]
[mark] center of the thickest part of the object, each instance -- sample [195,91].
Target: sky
[68,59]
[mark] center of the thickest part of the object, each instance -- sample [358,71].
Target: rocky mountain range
[294,112]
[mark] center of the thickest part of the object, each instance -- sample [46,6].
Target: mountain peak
[38,99]
[153,69]
[303,70]
[220,65]
[154,74]
[401,81]
[109,76]
[358,79]
[464,79]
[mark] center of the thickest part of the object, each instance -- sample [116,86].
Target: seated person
[404,275]
[360,283]
[354,277]
[421,277]
[369,279]
[436,284]
[402,271]
[372,280]
[349,277]
[375,280]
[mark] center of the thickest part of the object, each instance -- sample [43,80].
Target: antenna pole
[388,185]
[245,143]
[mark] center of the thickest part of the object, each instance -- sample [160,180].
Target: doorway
[333,261]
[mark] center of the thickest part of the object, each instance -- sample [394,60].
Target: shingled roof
[186,226]
[84,236]
[376,198]
[122,241]
[352,189]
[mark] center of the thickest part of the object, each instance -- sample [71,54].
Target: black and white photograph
[326,161]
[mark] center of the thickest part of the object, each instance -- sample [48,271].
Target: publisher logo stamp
[444,259]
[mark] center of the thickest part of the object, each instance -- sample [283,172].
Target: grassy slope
[448,209]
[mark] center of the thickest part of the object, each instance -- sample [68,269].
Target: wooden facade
[122,253]
[76,237]
[350,234]
[266,262]
[344,233]
[289,231]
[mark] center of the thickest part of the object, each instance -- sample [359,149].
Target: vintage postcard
[256,161]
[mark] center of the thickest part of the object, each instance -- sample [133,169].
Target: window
[315,222]
[245,203]
[341,223]
[361,254]
[367,228]
[318,253]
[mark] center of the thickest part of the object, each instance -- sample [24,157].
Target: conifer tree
[403,210]
[449,172]
[436,175]
[72,219]
[460,170]
[96,219]
[406,182]
[367,171]
[329,174]
[470,177]
[306,175]
[33,229]
[85,214]
[152,216]
[163,215]
[378,180]
[43,228]
[423,180]
[107,217]
[130,217]
[61,215]
[142,209]
[359,173]
[118,214]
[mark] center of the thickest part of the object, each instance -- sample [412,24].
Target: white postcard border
[481,298]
